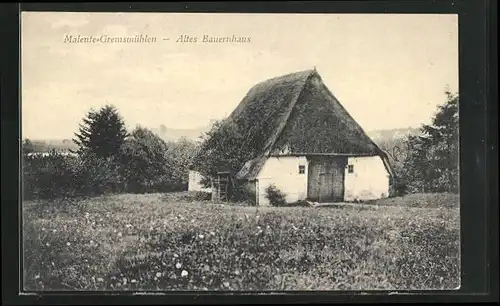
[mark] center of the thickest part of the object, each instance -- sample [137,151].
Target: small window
[350,168]
[302,169]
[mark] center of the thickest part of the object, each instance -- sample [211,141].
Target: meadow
[175,241]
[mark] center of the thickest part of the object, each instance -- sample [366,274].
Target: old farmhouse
[311,148]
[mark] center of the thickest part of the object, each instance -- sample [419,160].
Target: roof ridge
[268,148]
[308,71]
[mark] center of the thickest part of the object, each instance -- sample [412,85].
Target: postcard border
[478,127]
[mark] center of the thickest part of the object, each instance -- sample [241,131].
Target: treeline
[46,146]
[108,159]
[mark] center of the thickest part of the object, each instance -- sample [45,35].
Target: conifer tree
[102,133]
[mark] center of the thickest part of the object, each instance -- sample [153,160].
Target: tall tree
[144,156]
[102,133]
[433,161]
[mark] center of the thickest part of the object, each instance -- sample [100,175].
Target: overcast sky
[388,71]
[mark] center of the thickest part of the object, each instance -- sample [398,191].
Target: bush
[96,176]
[398,188]
[149,164]
[275,196]
[59,176]
[47,176]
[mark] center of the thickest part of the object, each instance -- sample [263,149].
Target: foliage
[102,133]
[224,148]
[145,165]
[431,163]
[108,160]
[59,176]
[150,164]
[140,242]
[95,175]
[275,196]
[47,176]
[181,154]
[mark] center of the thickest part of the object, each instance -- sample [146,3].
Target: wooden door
[326,179]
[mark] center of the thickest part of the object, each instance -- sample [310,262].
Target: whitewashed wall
[369,181]
[283,172]
[194,182]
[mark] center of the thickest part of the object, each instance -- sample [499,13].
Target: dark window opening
[302,169]
[350,168]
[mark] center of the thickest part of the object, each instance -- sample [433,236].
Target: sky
[388,71]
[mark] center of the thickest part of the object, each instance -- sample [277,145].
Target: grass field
[169,242]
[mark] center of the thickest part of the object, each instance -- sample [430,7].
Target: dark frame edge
[10,121]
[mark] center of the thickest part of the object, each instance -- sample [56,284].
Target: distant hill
[45,145]
[391,134]
[384,138]
[172,134]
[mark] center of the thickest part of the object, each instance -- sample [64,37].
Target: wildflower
[43,229]
[100,279]
[133,281]
[158,274]
[178,265]
[37,276]
[184,273]
[47,244]
[175,255]
[53,231]
[124,281]
[237,272]
[68,243]
[201,236]
[119,234]
[212,233]
[226,284]
[91,241]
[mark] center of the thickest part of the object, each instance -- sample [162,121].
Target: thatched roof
[297,114]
